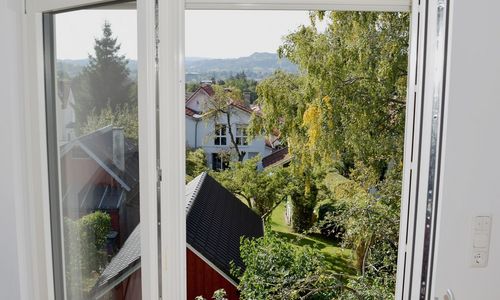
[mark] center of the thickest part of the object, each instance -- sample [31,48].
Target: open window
[160,142]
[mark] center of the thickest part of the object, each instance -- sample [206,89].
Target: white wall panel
[12,194]
[471,154]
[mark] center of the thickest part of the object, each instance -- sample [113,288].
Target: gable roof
[215,221]
[190,112]
[123,264]
[207,89]
[99,146]
[278,157]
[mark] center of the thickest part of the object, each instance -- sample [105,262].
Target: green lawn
[339,259]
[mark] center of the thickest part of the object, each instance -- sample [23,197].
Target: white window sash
[172,282]
[38,211]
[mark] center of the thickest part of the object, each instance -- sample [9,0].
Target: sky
[209,34]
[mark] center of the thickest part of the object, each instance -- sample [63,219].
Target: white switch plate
[481,233]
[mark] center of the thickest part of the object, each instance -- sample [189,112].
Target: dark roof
[123,264]
[277,157]
[99,146]
[101,197]
[190,112]
[243,107]
[208,89]
[215,221]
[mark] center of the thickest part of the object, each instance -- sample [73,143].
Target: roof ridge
[200,179]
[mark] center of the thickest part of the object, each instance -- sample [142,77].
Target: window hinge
[159,175]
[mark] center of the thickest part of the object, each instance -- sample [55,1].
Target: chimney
[247,96]
[119,148]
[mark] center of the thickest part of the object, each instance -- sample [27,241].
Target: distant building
[100,172]
[65,112]
[213,136]
[215,222]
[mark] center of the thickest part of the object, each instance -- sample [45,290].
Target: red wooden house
[215,222]
[101,173]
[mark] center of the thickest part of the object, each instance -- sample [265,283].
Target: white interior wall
[471,154]
[12,185]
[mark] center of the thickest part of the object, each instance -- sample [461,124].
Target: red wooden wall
[129,289]
[202,280]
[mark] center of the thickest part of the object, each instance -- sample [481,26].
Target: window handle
[449,295]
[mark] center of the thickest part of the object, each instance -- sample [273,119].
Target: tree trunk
[240,154]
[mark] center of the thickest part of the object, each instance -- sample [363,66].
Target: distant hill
[256,66]
[73,67]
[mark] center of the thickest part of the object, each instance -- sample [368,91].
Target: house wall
[202,280]
[206,130]
[129,289]
[191,132]
[197,102]
[471,160]
[14,262]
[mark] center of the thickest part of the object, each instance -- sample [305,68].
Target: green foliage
[275,270]
[191,87]
[346,109]
[218,295]
[327,225]
[261,190]
[123,116]
[105,81]
[245,85]
[85,256]
[348,102]
[196,163]
[371,222]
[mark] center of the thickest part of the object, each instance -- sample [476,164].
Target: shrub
[276,270]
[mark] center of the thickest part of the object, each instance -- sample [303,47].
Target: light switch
[479,259]
[481,232]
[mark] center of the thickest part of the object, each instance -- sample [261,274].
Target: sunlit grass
[337,258]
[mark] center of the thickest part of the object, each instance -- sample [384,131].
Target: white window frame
[239,137]
[169,279]
[38,195]
[218,134]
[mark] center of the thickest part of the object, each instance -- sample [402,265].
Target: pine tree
[105,81]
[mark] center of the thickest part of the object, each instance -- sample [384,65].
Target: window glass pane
[96,109]
[313,107]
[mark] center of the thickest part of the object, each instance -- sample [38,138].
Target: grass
[338,259]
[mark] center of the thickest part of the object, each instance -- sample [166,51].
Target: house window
[219,162]
[241,135]
[220,135]
[252,155]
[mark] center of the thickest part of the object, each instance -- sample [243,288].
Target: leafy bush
[196,163]
[124,116]
[85,256]
[276,270]
[218,295]
[327,224]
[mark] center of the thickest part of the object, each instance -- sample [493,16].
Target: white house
[212,134]
[65,111]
